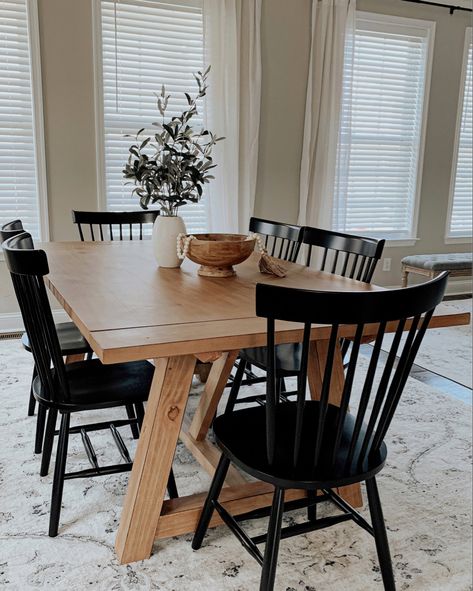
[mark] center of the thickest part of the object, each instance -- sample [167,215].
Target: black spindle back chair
[113,225]
[11,229]
[27,267]
[71,340]
[314,444]
[282,241]
[75,387]
[347,255]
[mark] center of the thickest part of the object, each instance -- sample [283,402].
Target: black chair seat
[94,385]
[318,446]
[62,389]
[71,340]
[288,358]
[242,436]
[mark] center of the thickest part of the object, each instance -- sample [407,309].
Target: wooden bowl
[217,253]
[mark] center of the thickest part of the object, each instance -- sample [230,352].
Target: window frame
[99,105]
[38,120]
[102,202]
[410,25]
[449,239]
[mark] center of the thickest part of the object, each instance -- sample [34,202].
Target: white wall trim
[12,321]
[449,239]
[459,287]
[38,118]
[454,286]
[98,102]
[431,28]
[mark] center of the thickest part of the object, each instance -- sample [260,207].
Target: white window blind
[21,165]
[382,128]
[146,43]
[460,223]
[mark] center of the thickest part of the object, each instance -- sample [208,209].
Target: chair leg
[32,401]
[172,486]
[48,442]
[283,386]
[40,422]
[234,390]
[208,509]
[312,509]
[272,544]
[381,538]
[279,388]
[405,278]
[140,414]
[59,470]
[130,411]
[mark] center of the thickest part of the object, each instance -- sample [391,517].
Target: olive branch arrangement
[172,166]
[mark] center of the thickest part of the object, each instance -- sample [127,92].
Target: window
[459,219]
[22,171]
[144,44]
[382,127]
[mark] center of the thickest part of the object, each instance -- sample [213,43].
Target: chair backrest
[336,432]
[114,225]
[347,255]
[28,267]
[282,241]
[10,229]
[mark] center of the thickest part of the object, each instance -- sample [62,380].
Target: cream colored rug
[448,351]
[425,488]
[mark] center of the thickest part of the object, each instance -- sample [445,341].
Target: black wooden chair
[282,241]
[114,225]
[75,387]
[71,342]
[311,444]
[346,255]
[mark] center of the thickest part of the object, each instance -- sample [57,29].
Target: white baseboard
[12,321]
[459,287]
[454,287]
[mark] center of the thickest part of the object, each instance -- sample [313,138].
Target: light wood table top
[129,309]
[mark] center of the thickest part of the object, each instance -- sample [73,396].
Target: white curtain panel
[233,49]
[332,39]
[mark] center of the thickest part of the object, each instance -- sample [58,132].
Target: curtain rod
[449,6]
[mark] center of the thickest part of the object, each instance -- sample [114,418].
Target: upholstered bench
[458,263]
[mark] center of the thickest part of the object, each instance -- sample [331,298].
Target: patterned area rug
[453,358]
[425,488]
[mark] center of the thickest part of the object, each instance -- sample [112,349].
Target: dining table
[130,309]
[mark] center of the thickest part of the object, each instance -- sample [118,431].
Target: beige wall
[285,39]
[68,89]
[68,98]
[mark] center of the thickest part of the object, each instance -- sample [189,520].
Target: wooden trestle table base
[128,309]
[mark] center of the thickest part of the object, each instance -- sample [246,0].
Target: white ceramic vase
[165,231]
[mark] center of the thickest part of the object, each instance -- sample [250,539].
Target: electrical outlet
[387,264]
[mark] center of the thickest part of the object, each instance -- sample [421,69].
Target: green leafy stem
[172,167]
